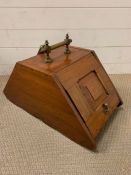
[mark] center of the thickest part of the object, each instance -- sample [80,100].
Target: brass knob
[106,107]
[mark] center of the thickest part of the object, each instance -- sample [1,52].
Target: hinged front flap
[90,89]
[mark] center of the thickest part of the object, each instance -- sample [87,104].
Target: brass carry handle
[47,49]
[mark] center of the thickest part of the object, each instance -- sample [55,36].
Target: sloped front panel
[91,91]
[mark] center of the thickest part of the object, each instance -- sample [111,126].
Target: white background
[102,25]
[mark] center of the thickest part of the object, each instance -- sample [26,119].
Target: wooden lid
[60,60]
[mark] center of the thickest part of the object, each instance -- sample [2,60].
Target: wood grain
[82,80]
[39,95]
[6,69]
[52,93]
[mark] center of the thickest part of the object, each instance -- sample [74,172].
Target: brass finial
[46,42]
[67,36]
[48,50]
[67,51]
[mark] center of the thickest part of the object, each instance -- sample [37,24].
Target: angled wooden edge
[121,101]
[76,112]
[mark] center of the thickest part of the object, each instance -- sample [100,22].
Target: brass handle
[106,107]
[47,49]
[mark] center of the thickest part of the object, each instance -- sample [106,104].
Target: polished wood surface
[69,94]
[90,88]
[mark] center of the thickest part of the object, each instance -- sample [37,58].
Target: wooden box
[73,94]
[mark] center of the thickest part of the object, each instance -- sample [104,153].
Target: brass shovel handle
[47,49]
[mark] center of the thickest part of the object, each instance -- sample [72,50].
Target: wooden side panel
[39,95]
